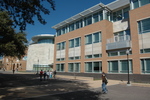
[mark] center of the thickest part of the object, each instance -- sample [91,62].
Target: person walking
[45,74]
[104,83]
[41,75]
[54,74]
[48,74]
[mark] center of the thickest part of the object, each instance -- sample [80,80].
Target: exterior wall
[10,63]
[105,27]
[136,15]
[40,54]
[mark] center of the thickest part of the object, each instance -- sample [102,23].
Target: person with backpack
[104,83]
[41,75]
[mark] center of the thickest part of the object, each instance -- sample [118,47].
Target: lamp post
[127,52]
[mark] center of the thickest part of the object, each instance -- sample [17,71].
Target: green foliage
[23,11]
[12,44]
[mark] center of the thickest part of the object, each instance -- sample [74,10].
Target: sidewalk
[97,83]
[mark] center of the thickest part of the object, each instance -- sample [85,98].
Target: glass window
[77,25]
[71,27]
[97,66]
[70,67]
[58,46]
[77,67]
[71,43]
[63,45]
[77,57]
[58,32]
[96,37]
[135,4]
[144,26]
[122,52]
[145,65]
[96,55]
[113,54]
[126,12]
[113,66]
[71,58]
[147,50]
[88,56]
[101,15]
[89,20]
[77,42]
[88,67]
[95,18]
[88,39]
[144,2]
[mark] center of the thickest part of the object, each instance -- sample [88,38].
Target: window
[58,46]
[96,38]
[139,3]
[88,67]
[93,38]
[93,67]
[46,41]
[122,36]
[119,66]
[71,27]
[144,2]
[58,32]
[147,50]
[71,43]
[74,42]
[126,12]
[135,3]
[95,18]
[113,54]
[71,58]
[144,26]
[61,46]
[145,65]
[60,67]
[88,56]
[74,67]
[77,42]
[87,20]
[88,39]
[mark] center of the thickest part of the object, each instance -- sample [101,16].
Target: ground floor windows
[74,67]
[94,67]
[120,66]
[37,67]
[60,67]
[145,65]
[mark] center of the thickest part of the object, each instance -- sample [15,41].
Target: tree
[12,44]
[23,11]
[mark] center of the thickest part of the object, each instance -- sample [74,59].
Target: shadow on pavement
[19,86]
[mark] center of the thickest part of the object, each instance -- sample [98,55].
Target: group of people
[47,74]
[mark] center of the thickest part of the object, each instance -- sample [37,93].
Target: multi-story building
[40,53]
[106,38]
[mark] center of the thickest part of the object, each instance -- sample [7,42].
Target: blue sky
[64,10]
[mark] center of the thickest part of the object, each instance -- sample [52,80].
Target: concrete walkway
[97,83]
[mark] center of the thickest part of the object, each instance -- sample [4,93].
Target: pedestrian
[51,74]
[13,71]
[45,74]
[48,74]
[41,75]
[54,74]
[104,83]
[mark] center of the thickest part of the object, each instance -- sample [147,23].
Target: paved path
[26,86]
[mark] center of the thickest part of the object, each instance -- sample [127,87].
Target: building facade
[41,53]
[106,38]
